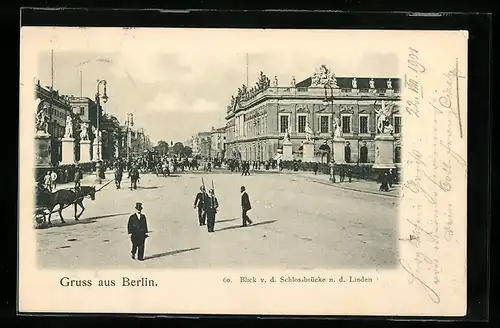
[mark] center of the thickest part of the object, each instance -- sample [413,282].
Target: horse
[65,197]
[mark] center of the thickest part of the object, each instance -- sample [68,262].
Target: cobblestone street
[298,224]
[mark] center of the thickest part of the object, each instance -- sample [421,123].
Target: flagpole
[247,67]
[81,84]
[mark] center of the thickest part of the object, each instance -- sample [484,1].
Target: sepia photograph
[182,149]
[223,162]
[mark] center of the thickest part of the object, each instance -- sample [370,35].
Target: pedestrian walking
[138,232]
[245,206]
[349,174]
[78,178]
[315,168]
[199,203]
[211,206]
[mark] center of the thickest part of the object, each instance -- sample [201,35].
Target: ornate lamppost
[98,136]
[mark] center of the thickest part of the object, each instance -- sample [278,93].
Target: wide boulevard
[298,224]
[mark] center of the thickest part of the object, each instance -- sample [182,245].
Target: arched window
[363,154]
[347,153]
[397,154]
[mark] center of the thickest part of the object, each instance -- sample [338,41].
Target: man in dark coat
[245,206]
[199,202]
[138,232]
[211,206]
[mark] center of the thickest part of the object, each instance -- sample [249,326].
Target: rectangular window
[301,124]
[397,124]
[363,124]
[284,123]
[324,124]
[346,123]
[82,110]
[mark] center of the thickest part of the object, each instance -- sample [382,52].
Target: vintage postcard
[232,171]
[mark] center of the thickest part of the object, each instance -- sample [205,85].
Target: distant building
[85,111]
[58,109]
[259,117]
[218,142]
[204,144]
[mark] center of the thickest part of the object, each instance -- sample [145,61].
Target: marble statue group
[384,114]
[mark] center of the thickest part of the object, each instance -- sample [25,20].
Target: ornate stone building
[259,117]
[57,108]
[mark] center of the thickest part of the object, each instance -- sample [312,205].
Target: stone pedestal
[68,150]
[339,150]
[384,152]
[308,152]
[97,146]
[287,151]
[42,150]
[85,151]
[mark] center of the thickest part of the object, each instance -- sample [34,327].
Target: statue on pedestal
[275,82]
[372,84]
[309,132]
[84,133]
[354,83]
[389,84]
[293,82]
[287,135]
[337,128]
[68,132]
[42,120]
[384,113]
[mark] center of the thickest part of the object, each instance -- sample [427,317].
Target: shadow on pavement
[72,221]
[251,225]
[228,220]
[154,256]
[152,187]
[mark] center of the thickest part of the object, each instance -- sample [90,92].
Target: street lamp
[326,101]
[98,102]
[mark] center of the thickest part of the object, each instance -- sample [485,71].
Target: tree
[162,148]
[187,151]
[178,148]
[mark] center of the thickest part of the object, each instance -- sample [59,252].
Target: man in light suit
[138,232]
[245,206]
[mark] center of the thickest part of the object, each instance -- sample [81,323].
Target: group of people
[207,206]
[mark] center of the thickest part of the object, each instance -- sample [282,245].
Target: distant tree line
[164,148]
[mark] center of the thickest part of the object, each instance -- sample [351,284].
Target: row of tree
[164,148]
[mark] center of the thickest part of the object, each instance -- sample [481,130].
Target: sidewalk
[370,187]
[87,180]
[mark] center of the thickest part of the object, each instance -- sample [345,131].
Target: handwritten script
[436,168]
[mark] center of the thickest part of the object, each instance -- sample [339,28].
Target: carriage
[46,201]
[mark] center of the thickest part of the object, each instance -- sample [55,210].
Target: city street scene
[174,160]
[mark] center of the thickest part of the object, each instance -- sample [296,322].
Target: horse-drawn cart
[46,201]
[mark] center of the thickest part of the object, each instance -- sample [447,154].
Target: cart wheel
[38,221]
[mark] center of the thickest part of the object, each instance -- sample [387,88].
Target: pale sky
[175,93]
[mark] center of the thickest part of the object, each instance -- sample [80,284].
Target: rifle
[213,187]
[203,184]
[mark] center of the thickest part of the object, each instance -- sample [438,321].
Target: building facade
[58,108]
[84,111]
[258,118]
[218,142]
[204,144]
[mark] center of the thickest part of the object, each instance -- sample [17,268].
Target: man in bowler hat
[245,206]
[211,205]
[138,232]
